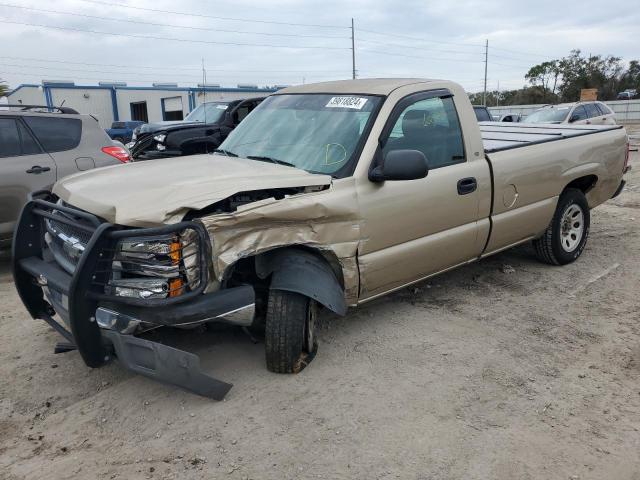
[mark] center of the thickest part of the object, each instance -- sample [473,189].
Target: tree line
[557,81]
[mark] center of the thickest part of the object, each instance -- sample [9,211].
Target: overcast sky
[433,39]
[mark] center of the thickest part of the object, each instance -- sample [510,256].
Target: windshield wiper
[225,152]
[271,159]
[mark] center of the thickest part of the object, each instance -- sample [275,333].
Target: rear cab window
[56,134]
[118,125]
[482,114]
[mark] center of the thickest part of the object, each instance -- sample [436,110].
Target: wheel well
[246,266]
[584,184]
[244,271]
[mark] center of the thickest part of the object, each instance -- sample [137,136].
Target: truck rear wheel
[290,342]
[565,238]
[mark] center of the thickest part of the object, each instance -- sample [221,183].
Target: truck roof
[367,86]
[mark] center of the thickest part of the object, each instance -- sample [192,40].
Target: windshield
[210,112]
[315,132]
[548,115]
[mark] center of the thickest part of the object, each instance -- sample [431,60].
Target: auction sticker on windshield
[347,102]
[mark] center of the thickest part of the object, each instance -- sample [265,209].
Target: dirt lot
[505,369]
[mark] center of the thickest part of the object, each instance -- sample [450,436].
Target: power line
[174,39]
[201,15]
[392,54]
[416,39]
[164,67]
[121,77]
[415,47]
[183,75]
[139,22]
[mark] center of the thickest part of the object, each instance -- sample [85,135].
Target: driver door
[415,228]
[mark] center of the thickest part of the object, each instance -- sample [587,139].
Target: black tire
[289,331]
[561,243]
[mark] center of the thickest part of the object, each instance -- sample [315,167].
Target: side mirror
[401,165]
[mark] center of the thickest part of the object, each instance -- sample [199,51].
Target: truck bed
[498,136]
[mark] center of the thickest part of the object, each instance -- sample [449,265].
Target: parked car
[580,113]
[202,131]
[327,196]
[629,94]
[482,113]
[39,145]
[511,117]
[123,131]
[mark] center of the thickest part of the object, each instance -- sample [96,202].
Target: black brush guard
[85,290]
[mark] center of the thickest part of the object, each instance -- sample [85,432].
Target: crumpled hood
[161,192]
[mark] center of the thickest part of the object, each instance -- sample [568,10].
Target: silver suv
[40,145]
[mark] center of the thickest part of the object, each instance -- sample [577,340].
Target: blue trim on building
[47,95]
[191,92]
[114,104]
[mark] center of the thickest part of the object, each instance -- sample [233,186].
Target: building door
[139,111]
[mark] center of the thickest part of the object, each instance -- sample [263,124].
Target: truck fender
[303,272]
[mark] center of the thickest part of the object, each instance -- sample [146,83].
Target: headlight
[148,267]
[160,138]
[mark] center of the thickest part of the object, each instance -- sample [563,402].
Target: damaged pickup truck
[327,196]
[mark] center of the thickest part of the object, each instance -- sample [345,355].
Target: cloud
[437,39]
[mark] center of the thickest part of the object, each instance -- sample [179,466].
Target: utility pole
[486,58]
[498,95]
[353,50]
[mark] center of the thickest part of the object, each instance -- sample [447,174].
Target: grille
[66,242]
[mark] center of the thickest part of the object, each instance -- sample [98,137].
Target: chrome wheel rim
[571,228]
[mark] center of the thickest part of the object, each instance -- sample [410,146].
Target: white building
[110,102]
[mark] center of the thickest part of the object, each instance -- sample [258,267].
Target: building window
[172,108]
[139,111]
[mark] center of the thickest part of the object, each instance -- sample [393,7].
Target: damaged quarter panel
[327,220]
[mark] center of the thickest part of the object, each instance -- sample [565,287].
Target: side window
[604,109]
[432,127]
[240,113]
[579,113]
[9,138]
[592,110]
[56,134]
[29,144]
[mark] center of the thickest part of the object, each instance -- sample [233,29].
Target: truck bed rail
[498,136]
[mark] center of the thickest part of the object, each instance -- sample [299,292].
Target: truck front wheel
[565,238]
[290,342]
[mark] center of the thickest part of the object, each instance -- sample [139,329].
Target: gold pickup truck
[325,196]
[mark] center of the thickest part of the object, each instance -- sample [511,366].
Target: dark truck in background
[202,131]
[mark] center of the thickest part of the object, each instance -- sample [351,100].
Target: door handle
[38,169]
[467,185]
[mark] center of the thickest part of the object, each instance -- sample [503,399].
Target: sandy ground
[505,369]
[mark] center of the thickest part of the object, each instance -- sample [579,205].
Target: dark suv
[202,131]
[38,146]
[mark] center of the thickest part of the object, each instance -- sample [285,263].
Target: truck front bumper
[102,328]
